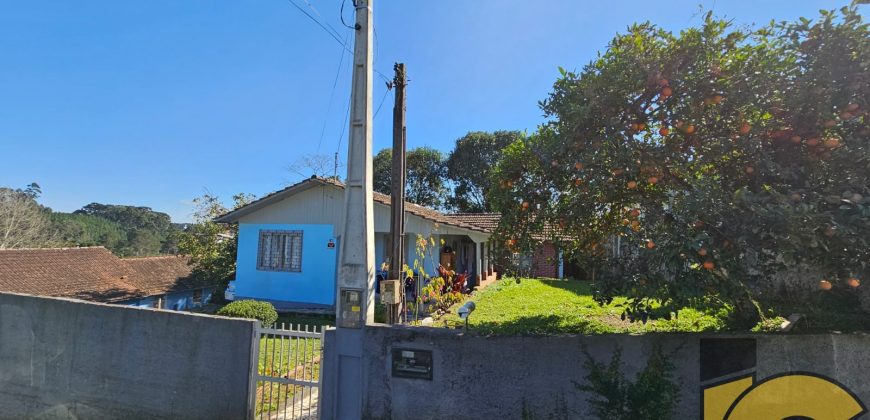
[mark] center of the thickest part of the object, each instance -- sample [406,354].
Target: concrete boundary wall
[475,377]
[62,358]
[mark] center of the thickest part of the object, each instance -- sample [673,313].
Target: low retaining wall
[63,358]
[475,377]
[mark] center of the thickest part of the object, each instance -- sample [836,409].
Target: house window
[197,297]
[280,250]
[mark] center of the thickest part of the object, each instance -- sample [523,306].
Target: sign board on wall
[731,390]
[412,363]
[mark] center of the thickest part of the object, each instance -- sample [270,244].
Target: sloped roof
[164,274]
[488,221]
[91,273]
[411,208]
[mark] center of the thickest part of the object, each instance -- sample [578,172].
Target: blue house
[288,244]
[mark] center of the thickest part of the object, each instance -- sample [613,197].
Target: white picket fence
[286,384]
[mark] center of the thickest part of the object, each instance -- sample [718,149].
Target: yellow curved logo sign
[788,395]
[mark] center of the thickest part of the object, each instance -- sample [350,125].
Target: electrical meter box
[391,292]
[351,315]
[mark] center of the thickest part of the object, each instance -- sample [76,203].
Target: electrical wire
[313,19]
[334,36]
[382,103]
[317,12]
[343,126]
[347,115]
[331,96]
[342,15]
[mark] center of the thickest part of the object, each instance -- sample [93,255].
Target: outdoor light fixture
[466,310]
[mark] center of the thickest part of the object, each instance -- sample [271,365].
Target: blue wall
[315,284]
[178,301]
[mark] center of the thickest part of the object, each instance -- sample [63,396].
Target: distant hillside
[125,230]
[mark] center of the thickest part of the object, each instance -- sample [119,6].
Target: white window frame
[280,250]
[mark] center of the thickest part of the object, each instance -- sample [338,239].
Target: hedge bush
[263,311]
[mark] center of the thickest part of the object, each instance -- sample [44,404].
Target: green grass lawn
[536,307]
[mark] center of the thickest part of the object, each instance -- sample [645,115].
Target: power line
[331,96]
[342,15]
[382,102]
[311,6]
[332,34]
[313,19]
[343,126]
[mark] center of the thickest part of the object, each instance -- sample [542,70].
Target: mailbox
[391,292]
[412,363]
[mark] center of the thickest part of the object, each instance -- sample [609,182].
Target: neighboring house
[95,274]
[546,261]
[289,241]
[168,283]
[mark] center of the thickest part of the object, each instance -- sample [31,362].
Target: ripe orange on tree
[853,282]
[825,285]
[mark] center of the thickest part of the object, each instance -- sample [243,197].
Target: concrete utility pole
[356,271]
[397,188]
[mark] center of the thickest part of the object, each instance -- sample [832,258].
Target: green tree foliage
[654,394]
[86,230]
[469,168]
[719,156]
[382,166]
[251,309]
[212,246]
[425,180]
[23,222]
[125,230]
[131,217]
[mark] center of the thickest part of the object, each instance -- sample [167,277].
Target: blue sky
[153,103]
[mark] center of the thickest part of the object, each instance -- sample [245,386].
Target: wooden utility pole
[354,305]
[397,189]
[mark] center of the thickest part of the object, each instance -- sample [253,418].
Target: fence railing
[286,384]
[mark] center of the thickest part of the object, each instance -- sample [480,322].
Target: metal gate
[286,383]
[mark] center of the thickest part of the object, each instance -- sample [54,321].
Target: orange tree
[718,156]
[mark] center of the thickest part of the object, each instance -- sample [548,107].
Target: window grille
[280,250]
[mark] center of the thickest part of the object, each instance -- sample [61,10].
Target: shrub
[262,311]
[439,295]
[653,394]
[769,324]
